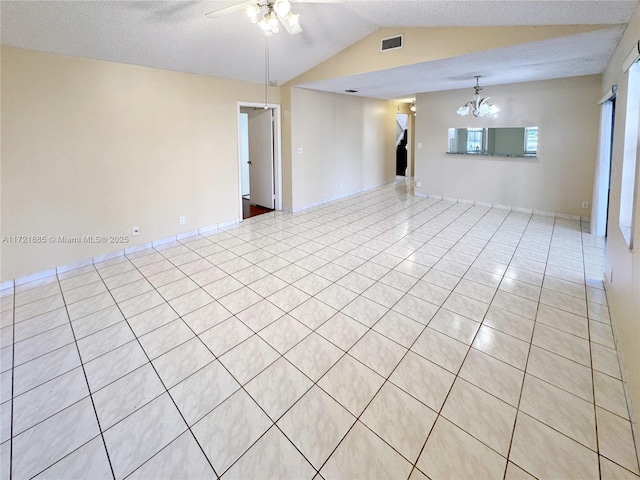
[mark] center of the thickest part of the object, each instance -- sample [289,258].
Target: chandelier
[269,15]
[479,107]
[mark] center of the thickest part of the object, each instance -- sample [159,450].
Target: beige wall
[558,180]
[427,44]
[624,289]
[285,108]
[347,142]
[93,148]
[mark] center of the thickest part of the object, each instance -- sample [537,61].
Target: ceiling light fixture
[266,16]
[479,107]
[412,107]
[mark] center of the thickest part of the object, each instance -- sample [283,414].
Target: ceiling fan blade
[232,9]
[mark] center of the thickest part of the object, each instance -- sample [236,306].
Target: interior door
[261,158]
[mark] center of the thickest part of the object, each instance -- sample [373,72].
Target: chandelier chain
[266,70]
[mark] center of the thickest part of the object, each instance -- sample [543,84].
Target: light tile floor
[379,336]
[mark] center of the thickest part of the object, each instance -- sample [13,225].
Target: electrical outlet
[418,183]
[419,145]
[585,205]
[135,231]
[182,220]
[300,150]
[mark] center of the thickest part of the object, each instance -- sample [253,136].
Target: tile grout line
[241,387]
[95,412]
[457,375]
[165,388]
[526,365]
[13,366]
[622,375]
[371,327]
[593,379]
[314,383]
[381,386]
[311,254]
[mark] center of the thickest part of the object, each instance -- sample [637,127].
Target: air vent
[391,43]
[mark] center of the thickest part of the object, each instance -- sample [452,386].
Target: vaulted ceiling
[176,35]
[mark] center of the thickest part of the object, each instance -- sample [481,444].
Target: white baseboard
[117,253]
[138,248]
[35,276]
[339,197]
[500,206]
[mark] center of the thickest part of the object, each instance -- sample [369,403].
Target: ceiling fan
[268,14]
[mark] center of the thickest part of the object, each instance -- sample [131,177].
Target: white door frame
[277,153]
[602,179]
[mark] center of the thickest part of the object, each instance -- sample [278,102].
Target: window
[475,140]
[531,140]
[630,156]
[451,137]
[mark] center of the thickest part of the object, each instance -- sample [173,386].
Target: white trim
[567,216]
[115,254]
[544,213]
[164,241]
[234,223]
[209,229]
[73,266]
[611,93]
[138,248]
[35,276]
[108,256]
[277,153]
[631,58]
[530,211]
[601,180]
[522,210]
[190,233]
[229,223]
[501,206]
[338,197]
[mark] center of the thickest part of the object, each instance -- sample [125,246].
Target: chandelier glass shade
[477,106]
[269,15]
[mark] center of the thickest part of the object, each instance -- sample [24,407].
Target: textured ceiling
[572,56]
[175,35]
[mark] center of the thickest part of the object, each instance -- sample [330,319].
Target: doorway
[402,137]
[602,181]
[259,159]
